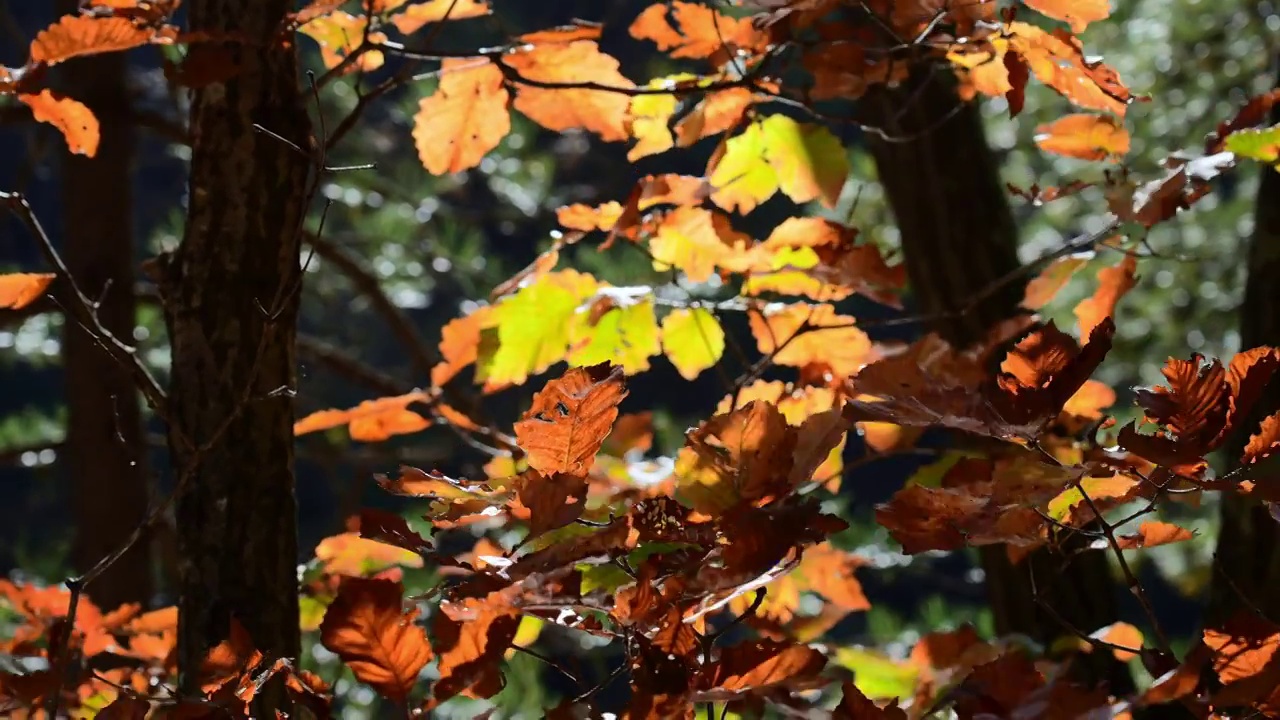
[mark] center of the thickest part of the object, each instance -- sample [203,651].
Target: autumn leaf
[566,425]
[76,122]
[464,119]
[1053,278]
[235,655]
[821,259]
[1264,442]
[704,33]
[692,340]
[1078,13]
[1113,283]
[718,112]
[545,90]
[695,240]
[76,35]
[758,665]
[806,162]
[368,628]
[856,706]
[351,554]
[533,327]
[626,334]
[339,34]
[371,420]
[649,115]
[471,647]
[1083,136]
[1262,145]
[459,344]
[415,16]
[553,500]
[1153,534]
[18,290]
[803,335]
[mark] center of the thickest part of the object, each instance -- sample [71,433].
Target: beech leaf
[569,419]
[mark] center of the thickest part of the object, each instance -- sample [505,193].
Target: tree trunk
[105,448]
[959,240]
[231,293]
[1247,562]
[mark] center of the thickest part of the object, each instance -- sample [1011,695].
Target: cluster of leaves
[693,566]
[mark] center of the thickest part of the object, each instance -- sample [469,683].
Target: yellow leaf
[351,554]
[810,162]
[533,327]
[693,340]
[649,116]
[464,119]
[626,336]
[338,34]
[741,177]
[695,240]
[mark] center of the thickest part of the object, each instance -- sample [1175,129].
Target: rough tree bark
[959,240]
[105,448]
[1247,562]
[230,293]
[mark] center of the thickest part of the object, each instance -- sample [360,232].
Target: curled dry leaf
[367,627]
[18,290]
[570,418]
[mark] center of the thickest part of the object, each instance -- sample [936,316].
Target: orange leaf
[552,501]
[1122,634]
[1243,648]
[368,628]
[230,658]
[1152,534]
[695,240]
[471,647]
[716,113]
[763,663]
[570,418]
[75,35]
[1053,278]
[464,119]
[1083,136]
[18,290]
[801,334]
[703,33]
[1263,443]
[1079,13]
[554,103]
[76,122]
[459,344]
[351,554]
[371,420]
[412,18]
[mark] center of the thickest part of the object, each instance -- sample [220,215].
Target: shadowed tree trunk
[1247,562]
[105,448]
[959,240]
[230,293]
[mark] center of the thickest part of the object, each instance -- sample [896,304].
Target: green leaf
[741,178]
[533,327]
[626,336]
[1262,145]
[879,677]
[693,340]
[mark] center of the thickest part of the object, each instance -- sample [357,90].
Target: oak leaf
[77,123]
[18,290]
[569,419]
[367,627]
[464,119]
[550,88]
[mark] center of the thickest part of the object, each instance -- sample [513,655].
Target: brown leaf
[758,665]
[125,707]
[856,706]
[570,418]
[553,501]
[1053,278]
[18,290]
[368,628]
[392,529]
[471,649]
[1193,410]
[229,659]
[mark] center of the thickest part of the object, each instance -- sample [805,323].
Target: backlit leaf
[695,240]
[464,119]
[692,340]
[1262,145]
[18,290]
[533,327]
[856,706]
[76,122]
[805,161]
[1053,278]
[76,35]
[368,628]
[566,425]
[415,16]
[1083,136]
[351,554]
[702,32]
[1113,283]
[471,647]
[1078,13]
[801,335]
[626,335]
[565,108]
[371,420]
[1153,534]
[339,34]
